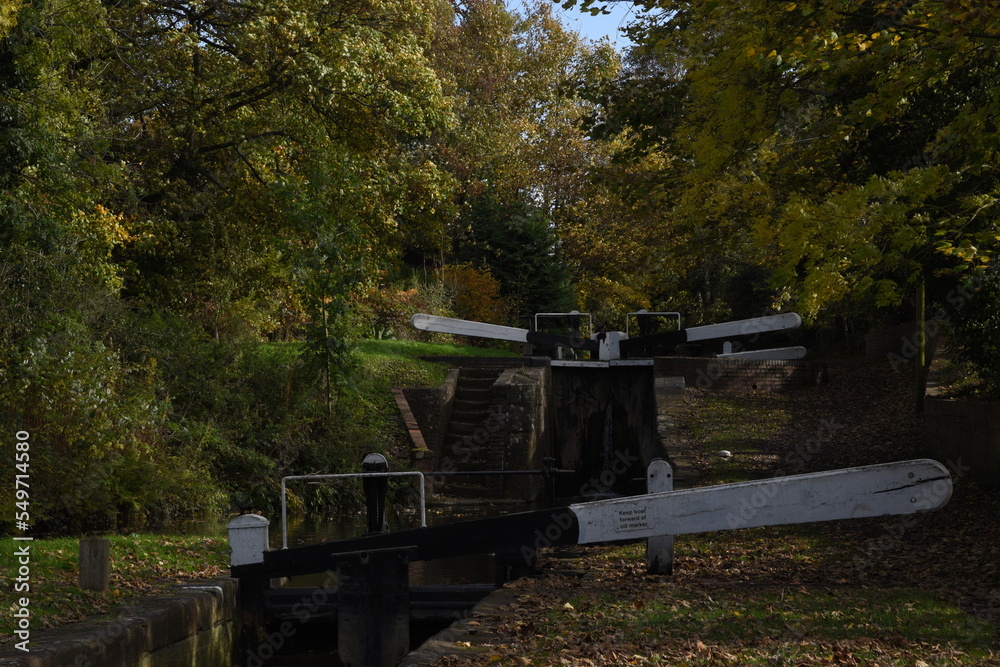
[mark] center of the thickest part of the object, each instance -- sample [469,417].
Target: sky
[596,27]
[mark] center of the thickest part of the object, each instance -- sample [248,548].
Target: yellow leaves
[8,16]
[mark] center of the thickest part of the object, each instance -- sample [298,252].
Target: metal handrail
[406,473]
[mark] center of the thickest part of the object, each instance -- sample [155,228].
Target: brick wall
[742,375]
[966,433]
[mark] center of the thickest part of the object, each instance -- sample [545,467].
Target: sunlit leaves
[859,125]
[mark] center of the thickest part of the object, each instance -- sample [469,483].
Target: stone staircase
[473,441]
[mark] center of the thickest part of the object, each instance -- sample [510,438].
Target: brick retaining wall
[742,375]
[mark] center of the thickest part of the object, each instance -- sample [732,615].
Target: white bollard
[659,549]
[248,539]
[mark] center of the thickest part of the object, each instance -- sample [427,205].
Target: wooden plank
[744,327]
[578,363]
[611,363]
[904,487]
[524,531]
[660,548]
[373,608]
[95,563]
[459,327]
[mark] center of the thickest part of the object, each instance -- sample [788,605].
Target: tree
[518,246]
[228,164]
[67,377]
[846,140]
[220,107]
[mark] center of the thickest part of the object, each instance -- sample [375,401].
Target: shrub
[976,328]
[383,312]
[475,293]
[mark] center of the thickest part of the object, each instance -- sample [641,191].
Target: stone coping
[134,632]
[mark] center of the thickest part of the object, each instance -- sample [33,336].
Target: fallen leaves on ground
[919,591]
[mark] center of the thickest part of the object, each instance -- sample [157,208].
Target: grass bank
[141,564]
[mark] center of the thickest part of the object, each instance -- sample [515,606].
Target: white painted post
[611,345]
[248,539]
[659,548]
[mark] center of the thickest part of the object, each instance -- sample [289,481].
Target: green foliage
[976,330]
[840,146]
[250,413]
[516,242]
[179,181]
[384,311]
[97,422]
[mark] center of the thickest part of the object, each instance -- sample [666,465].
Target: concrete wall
[431,406]
[195,625]
[520,397]
[516,433]
[966,433]
[742,375]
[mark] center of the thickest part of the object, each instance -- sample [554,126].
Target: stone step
[476,383]
[470,405]
[471,394]
[480,373]
[460,428]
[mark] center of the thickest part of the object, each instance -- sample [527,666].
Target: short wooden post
[373,607]
[659,549]
[95,563]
